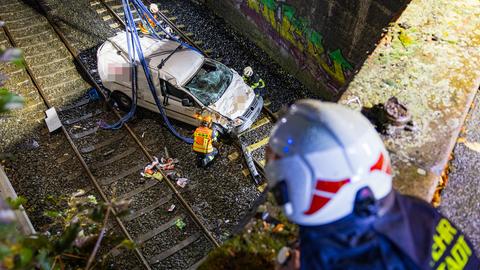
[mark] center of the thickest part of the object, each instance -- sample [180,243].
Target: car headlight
[237,122]
[249,90]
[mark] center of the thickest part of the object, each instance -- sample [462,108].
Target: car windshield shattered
[210,82]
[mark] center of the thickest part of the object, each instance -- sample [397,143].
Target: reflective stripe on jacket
[202,140]
[410,235]
[254,81]
[143,28]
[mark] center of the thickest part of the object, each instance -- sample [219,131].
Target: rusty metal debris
[437,196]
[390,117]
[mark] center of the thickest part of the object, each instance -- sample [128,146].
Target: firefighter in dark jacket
[253,80]
[203,139]
[330,171]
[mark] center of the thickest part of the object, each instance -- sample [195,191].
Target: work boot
[200,161]
[204,163]
[208,162]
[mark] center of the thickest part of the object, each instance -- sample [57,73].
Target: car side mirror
[187,102]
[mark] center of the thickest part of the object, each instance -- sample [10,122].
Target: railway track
[49,66]
[256,137]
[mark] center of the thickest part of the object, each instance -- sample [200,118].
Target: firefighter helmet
[153,8]
[319,156]
[206,120]
[248,71]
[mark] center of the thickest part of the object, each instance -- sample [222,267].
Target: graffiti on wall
[295,35]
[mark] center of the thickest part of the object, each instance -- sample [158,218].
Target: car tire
[123,101]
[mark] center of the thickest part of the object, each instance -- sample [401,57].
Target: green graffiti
[297,31]
[288,12]
[300,24]
[316,38]
[253,4]
[337,57]
[270,4]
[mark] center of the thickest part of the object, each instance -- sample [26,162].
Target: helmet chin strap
[280,193]
[280,190]
[365,203]
[288,208]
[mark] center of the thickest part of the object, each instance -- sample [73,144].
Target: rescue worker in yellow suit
[253,80]
[144,29]
[203,139]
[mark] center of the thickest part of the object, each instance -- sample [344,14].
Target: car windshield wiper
[168,57]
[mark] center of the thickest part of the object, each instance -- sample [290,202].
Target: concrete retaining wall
[6,191]
[429,60]
[321,42]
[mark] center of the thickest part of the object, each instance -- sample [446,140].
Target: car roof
[177,70]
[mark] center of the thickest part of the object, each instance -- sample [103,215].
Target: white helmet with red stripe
[319,156]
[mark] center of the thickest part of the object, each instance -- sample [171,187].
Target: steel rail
[77,152]
[274,118]
[73,51]
[165,19]
[114,14]
[75,149]
[182,34]
[270,113]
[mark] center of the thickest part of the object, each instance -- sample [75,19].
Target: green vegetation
[9,100]
[70,241]
[256,246]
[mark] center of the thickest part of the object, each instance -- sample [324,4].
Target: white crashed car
[188,84]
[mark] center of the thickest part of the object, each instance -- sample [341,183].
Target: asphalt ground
[461,197]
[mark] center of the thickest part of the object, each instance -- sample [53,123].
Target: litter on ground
[164,164]
[182,182]
[167,163]
[180,224]
[155,175]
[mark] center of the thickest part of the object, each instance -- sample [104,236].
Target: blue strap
[135,49]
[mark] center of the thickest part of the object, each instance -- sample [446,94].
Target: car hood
[236,99]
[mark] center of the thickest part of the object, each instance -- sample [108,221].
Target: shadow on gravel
[73,8]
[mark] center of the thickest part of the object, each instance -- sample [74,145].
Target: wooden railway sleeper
[74,53]
[72,144]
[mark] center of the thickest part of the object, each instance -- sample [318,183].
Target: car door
[171,99]
[175,107]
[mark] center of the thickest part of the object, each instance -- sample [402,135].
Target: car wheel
[123,101]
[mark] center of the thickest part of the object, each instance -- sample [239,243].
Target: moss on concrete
[429,59]
[256,246]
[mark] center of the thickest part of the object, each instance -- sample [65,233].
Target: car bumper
[250,115]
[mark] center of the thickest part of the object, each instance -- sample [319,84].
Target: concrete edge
[446,43]
[7,191]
